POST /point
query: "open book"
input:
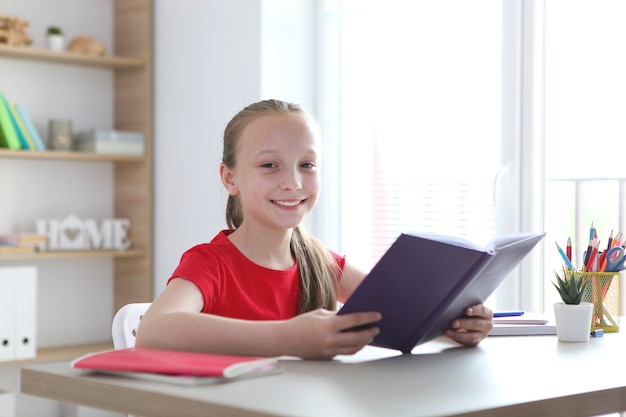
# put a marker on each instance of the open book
(424, 281)
(177, 367)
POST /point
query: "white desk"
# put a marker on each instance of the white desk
(504, 376)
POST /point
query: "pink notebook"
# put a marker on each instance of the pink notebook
(186, 368)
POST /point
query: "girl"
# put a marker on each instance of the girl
(264, 287)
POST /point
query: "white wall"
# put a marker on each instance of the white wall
(219, 57)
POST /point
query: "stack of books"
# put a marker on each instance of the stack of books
(17, 131)
(110, 142)
(24, 243)
(527, 324)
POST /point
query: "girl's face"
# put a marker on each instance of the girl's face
(276, 173)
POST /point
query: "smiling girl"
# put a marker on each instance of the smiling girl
(264, 286)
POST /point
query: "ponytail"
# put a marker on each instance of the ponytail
(319, 272)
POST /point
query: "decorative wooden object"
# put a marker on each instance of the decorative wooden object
(86, 45)
(14, 31)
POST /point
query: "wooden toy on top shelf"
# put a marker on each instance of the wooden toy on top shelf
(14, 31)
(86, 45)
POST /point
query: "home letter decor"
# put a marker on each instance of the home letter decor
(72, 233)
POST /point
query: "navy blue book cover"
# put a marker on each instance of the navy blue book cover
(423, 282)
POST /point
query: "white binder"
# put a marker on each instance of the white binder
(18, 313)
(26, 313)
(7, 314)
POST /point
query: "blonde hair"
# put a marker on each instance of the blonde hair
(317, 267)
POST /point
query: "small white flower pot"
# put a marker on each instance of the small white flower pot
(573, 322)
(55, 42)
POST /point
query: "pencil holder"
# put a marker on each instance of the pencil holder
(603, 290)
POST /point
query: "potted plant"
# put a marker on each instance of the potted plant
(55, 40)
(572, 316)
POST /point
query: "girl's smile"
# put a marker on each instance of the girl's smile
(288, 204)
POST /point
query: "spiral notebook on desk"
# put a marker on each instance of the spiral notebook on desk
(526, 325)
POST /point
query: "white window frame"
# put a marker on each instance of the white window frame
(520, 196)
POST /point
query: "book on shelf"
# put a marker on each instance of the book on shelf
(177, 367)
(110, 142)
(24, 143)
(8, 136)
(424, 281)
(22, 243)
(30, 127)
(20, 127)
(14, 250)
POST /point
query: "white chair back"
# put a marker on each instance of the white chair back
(125, 324)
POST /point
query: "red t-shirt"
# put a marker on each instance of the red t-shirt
(233, 286)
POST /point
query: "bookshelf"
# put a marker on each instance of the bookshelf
(131, 66)
(67, 156)
(69, 58)
(132, 253)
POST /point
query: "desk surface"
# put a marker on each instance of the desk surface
(504, 376)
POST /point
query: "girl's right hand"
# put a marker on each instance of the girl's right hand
(320, 334)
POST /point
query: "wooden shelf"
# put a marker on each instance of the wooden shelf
(62, 353)
(68, 156)
(132, 253)
(131, 175)
(71, 58)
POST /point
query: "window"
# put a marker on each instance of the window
(473, 118)
(584, 124)
(415, 128)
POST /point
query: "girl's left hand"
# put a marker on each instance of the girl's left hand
(473, 328)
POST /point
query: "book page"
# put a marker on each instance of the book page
(497, 242)
(451, 240)
(504, 240)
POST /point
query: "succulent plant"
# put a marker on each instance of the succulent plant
(54, 30)
(571, 285)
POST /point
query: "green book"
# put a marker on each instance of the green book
(22, 134)
(8, 135)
